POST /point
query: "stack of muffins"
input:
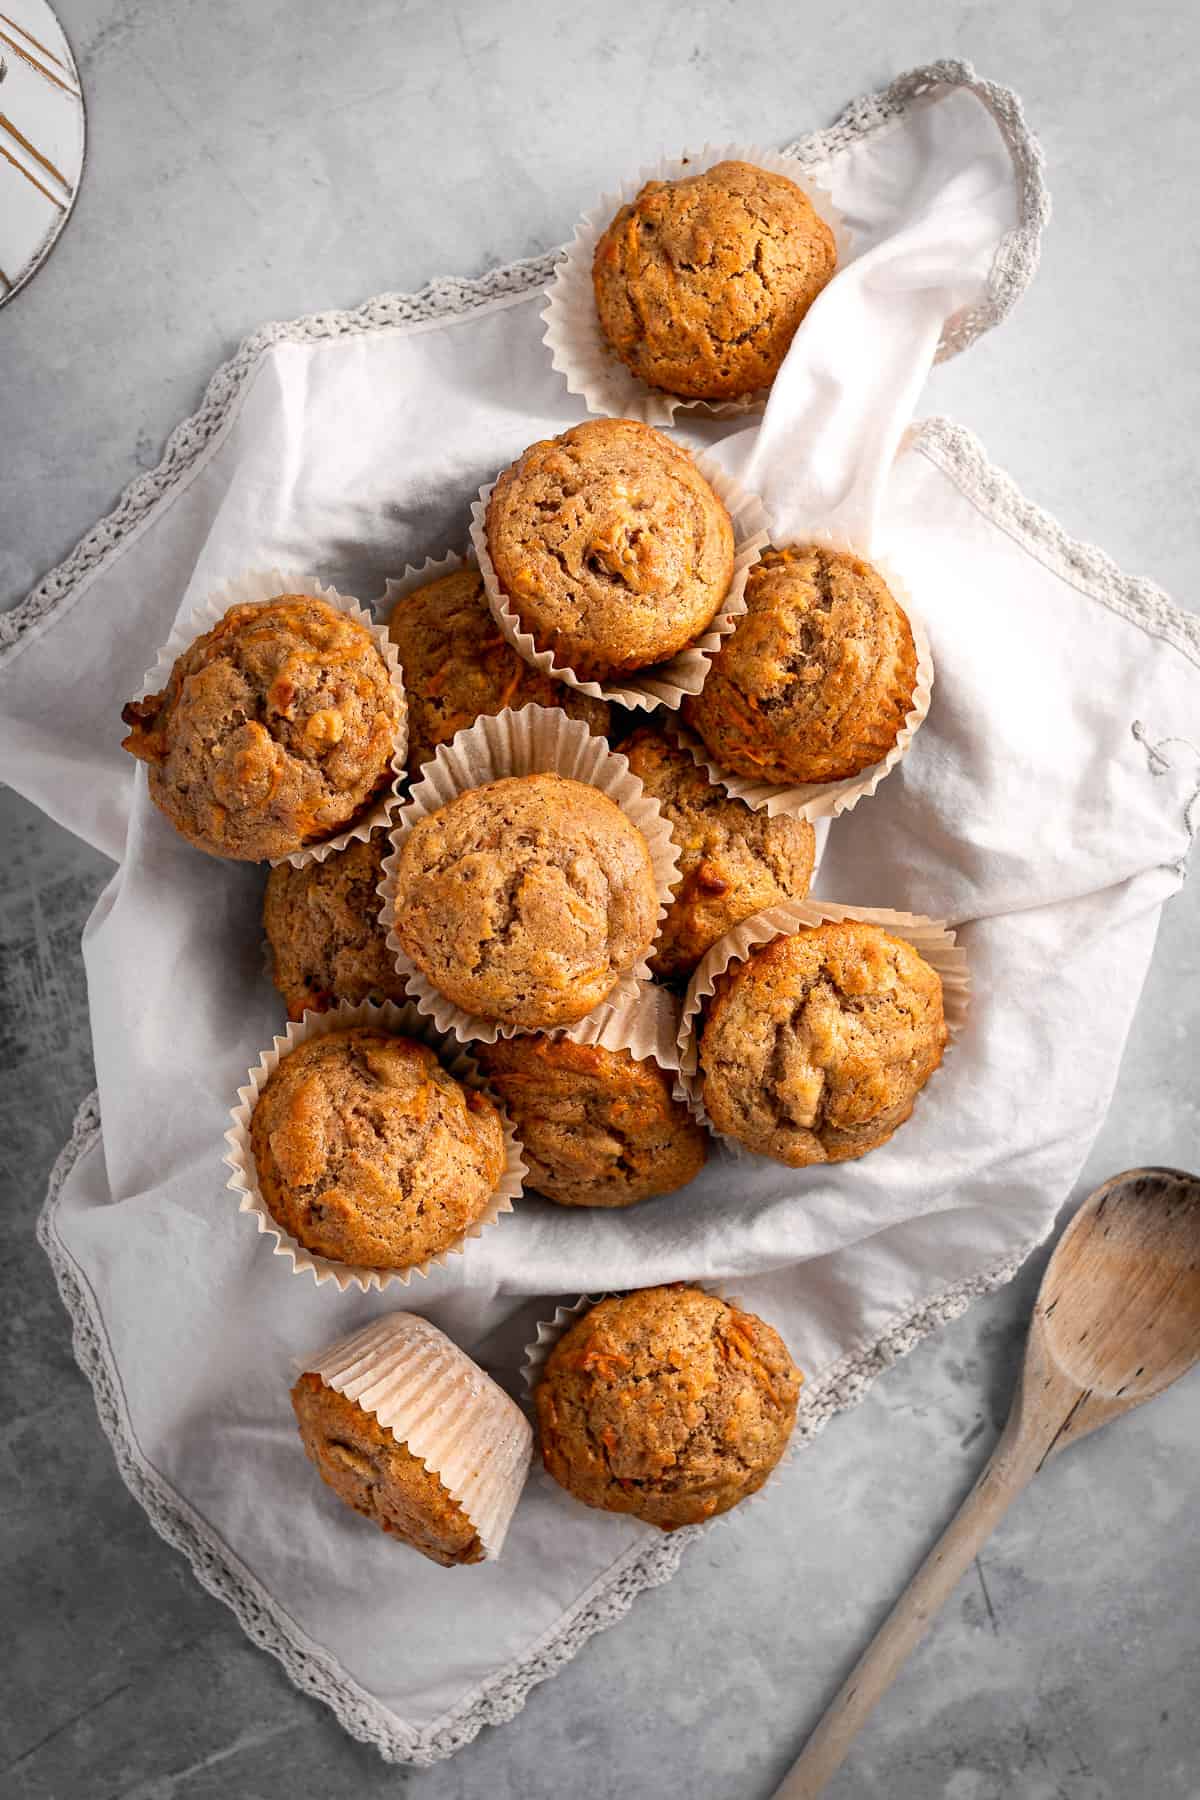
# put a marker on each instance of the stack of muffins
(550, 915)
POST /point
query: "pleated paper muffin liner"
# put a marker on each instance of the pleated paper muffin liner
(815, 800)
(578, 347)
(549, 1331)
(532, 740)
(432, 569)
(256, 587)
(404, 1021)
(659, 684)
(444, 1407)
(930, 938)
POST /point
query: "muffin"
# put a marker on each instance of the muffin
(367, 1151)
(598, 1127)
(525, 901)
(407, 1430)
(817, 678)
(610, 546)
(701, 283)
(275, 730)
(815, 1048)
(457, 666)
(733, 861)
(667, 1403)
(322, 923)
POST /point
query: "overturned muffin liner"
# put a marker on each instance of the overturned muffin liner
(255, 588)
(432, 569)
(405, 1021)
(532, 740)
(451, 1414)
(578, 347)
(549, 1331)
(815, 800)
(930, 938)
(659, 684)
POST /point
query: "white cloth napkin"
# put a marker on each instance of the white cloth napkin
(1032, 812)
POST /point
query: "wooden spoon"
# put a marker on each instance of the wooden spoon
(1117, 1320)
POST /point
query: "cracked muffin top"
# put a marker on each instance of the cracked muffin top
(368, 1151)
(701, 283)
(610, 546)
(368, 1467)
(275, 730)
(667, 1403)
(458, 666)
(322, 923)
(815, 1048)
(733, 861)
(525, 901)
(598, 1127)
(817, 678)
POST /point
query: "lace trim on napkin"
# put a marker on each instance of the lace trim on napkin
(1012, 270)
(311, 1668)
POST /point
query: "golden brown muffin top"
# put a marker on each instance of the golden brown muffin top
(322, 923)
(598, 1127)
(701, 283)
(368, 1151)
(371, 1470)
(733, 861)
(611, 546)
(458, 666)
(275, 730)
(526, 900)
(816, 680)
(816, 1046)
(667, 1403)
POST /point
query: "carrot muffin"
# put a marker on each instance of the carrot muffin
(322, 923)
(815, 1048)
(526, 901)
(733, 861)
(817, 678)
(598, 1127)
(457, 666)
(367, 1151)
(371, 1470)
(667, 1403)
(610, 546)
(701, 283)
(275, 730)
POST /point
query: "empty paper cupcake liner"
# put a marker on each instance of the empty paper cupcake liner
(405, 1021)
(444, 1407)
(816, 800)
(930, 938)
(578, 347)
(533, 740)
(660, 684)
(548, 1333)
(256, 587)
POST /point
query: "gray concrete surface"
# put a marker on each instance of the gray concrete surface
(269, 159)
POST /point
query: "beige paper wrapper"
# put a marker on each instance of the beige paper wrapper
(534, 740)
(816, 800)
(578, 347)
(255, 587)
(432, 569)
(406, 1021)
(450, 1414)
(549, 1331)
(660, 684)
(932, 940)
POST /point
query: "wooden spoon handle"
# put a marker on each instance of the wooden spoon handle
(906, 1624)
